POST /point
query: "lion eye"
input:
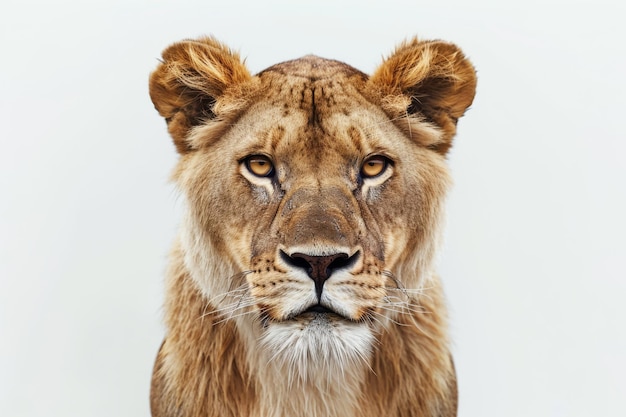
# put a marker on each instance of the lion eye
(374, 166)
(259, 165)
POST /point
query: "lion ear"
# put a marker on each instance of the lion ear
(436, 81)
(192, 76)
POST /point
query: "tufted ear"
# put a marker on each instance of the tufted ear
(190, 79)
(428, 81)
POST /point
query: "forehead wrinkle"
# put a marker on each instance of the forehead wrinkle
(321, 129)
(311, 153)
(275, 136)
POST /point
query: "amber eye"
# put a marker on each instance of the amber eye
(374, 166)
(260, 165)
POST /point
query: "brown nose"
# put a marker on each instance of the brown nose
(319, 268)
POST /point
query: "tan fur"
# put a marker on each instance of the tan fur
(241, 338)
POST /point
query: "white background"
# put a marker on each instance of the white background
(534, 260)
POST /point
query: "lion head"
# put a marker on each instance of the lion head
(313, 191)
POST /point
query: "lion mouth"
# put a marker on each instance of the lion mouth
(318, 308)
(320, 311)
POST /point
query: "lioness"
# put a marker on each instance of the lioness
(302, 281)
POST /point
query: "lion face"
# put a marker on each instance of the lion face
(314, 192)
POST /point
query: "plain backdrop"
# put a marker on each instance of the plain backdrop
(534, 260)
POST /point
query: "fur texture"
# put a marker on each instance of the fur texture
(302, 282)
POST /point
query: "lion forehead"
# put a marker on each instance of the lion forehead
(318, 105)
(315, 68)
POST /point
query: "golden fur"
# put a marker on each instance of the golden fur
(307, 287)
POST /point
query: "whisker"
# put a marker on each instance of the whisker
(416, 291)
(403, 308)
(239, 292)
(234, 316)
(229, 308)
(396, 281)
(376, 315)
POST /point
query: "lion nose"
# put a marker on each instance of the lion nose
(319, 268)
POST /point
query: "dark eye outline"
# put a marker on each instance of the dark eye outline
(248, 160)
(386, 162)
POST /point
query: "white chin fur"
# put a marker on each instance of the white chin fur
(318, 347)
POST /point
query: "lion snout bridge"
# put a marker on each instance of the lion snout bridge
(323, 216)
(320, 268)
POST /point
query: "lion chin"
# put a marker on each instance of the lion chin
(315, 343)
(302, 282)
